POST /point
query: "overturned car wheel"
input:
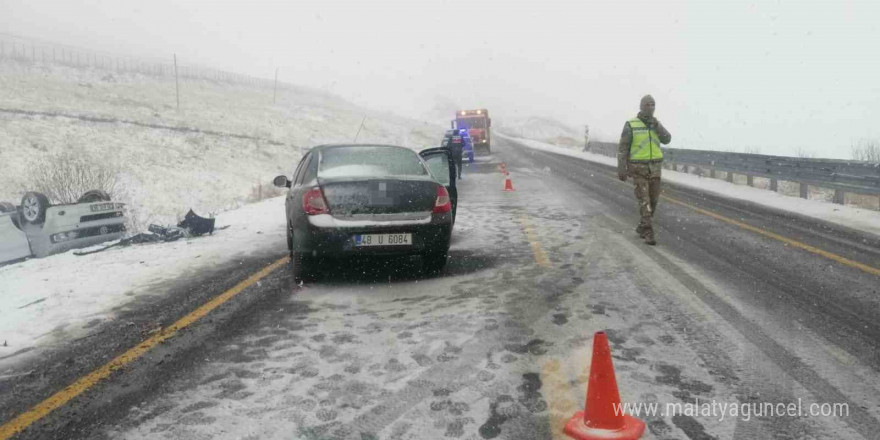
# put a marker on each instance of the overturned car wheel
(33, 207)
(95, 195)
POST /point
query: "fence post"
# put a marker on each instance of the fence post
(804, 191)
(730, 177)
(275, 89)
(750, 180)
(176, 82)
(774, 185)
(839, 197)
(712, 173)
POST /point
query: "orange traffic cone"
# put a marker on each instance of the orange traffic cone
(603, 417)
(508, 185)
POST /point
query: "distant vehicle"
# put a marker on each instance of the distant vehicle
(37, 228)
(477, 124)
(349, 200)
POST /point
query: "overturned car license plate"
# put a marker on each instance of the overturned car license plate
(383, 240)
(109, 206)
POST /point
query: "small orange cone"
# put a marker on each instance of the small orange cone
(508, 185)
(602, 417)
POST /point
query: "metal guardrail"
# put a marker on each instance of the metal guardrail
(843, 176)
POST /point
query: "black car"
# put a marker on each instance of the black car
(370, 200)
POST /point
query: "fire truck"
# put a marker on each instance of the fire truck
(477, 124)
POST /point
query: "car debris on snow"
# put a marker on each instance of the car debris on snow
(191, 226)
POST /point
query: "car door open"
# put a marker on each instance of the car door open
(442, 167)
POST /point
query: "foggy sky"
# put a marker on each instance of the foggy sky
(773, 75)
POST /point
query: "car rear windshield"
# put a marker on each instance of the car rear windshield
(370, 162)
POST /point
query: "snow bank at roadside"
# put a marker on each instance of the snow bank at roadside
(46, 301)
(860, 219)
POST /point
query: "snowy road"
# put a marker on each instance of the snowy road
(498, 346)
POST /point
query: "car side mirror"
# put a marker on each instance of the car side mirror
(281, 182)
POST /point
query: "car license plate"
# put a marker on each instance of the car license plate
(102, 207)
(383, 240)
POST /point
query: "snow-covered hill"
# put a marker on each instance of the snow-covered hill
(211, 155)
(544, 130)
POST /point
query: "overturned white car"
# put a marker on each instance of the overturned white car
(38, 228)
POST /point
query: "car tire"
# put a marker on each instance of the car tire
(434, 262)
(33, 207)
(95, 195)
(6, 207)
(300, 266)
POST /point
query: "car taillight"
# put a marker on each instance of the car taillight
(313, 202)
(443, 203)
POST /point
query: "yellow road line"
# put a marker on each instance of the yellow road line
(794, 243)
(557, 391)
(60, 398)
(537, 251)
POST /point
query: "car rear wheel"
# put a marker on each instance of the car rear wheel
(33, 207)
(300, 266)
(434, 262)
(95, 195)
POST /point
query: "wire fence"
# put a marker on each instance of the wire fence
(35, 51)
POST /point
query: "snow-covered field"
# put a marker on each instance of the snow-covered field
(860, 219)
(165, 172)
(544, 129)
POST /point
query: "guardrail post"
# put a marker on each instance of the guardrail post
(774, 185)
(712, 173)
(684, 169)
(750, 180)
(804, 191)
(839, 196)
(730, 177)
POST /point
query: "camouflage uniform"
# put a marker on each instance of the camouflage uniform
(646, 175)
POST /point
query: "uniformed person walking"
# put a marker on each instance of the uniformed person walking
(639, 155)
